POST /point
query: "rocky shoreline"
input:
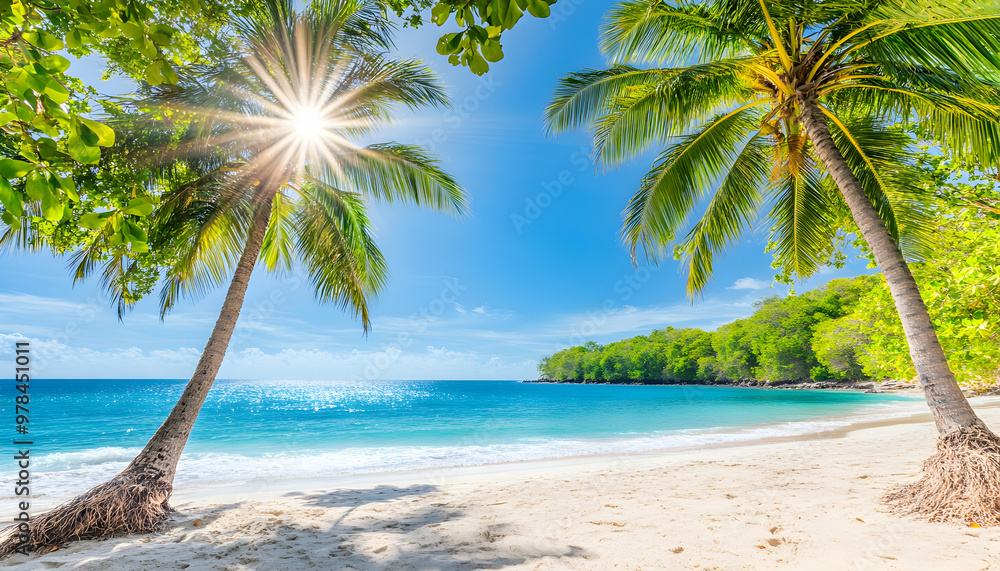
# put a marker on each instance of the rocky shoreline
(866, 386)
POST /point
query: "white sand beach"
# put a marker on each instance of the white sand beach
(805, 503)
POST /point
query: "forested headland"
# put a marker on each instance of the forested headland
(835, 332)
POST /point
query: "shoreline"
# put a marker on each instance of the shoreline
(578, 461)
(460, 473)
(871, 386)
(804, 502)
(822, 427)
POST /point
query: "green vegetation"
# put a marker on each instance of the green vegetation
(776, 343)
(959, 277)
(51, 143)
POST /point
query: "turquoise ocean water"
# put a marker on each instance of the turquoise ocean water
(87, 430)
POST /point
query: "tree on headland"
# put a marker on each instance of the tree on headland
(776, 343)
(269, 173)
(774, 104)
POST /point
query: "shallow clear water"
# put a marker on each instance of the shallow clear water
(86, 430)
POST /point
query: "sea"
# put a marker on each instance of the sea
(85, 431)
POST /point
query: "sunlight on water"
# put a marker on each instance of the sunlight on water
(87, 430)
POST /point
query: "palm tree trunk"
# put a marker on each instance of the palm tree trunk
(951, 409)
(961, 480)
(158, 460)
(137, 499)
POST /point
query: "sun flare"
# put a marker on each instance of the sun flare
(308, 125)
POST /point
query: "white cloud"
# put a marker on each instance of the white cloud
(52, 359)
(47, 308)
(750, 283)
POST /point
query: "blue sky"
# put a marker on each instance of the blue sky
(539, 266)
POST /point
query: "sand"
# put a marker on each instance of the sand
(805, 503)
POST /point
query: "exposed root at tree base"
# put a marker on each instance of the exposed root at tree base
(960, 482)
(119, 507)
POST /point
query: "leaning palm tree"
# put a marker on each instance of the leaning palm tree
(774, 106)
(264, 169)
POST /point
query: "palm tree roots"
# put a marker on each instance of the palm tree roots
(122, 506)
(960, 482)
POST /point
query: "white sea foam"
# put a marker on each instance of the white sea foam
(64, 474)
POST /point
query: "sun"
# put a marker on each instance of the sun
(308, 125)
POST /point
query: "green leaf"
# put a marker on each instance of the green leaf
(66, 184)
(56, 91)
(82, 152)
(24, 113)
(133, 233)
(477, 64)
(55, 63)
(10, 168)
(161, 34)
(449, 43)
(146, 47)
(169, 75)
(36, 185)
(86, 134)
(94, 220)
(154, 73)
(131, 31)
(10, 198)
(105, 134)
(52, 208)
(509, 13)
(74, 39)
(141, 206)
(538, 8)
(439, 13)
(492, 50)
(44, 40)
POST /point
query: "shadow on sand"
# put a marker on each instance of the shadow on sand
(384, 527)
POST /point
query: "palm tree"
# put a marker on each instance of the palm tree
(774, 106)
(265, 170)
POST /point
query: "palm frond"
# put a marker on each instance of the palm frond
(683, 173)
(966, 126)
(584, 96)
(731, 211)
(683, 98)
(337, 249)
(279, 243)
(800, 217)
(395, 173)
(955, 38)
(655, 31)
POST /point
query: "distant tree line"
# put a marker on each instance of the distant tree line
(844, 330)
(785, 339)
